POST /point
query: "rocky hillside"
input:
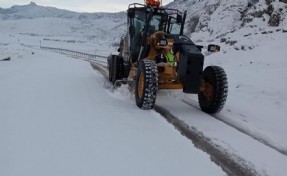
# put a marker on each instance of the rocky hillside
(219, 17)
(218, 21)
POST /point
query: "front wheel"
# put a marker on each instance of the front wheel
(146, 84)
(213, 89)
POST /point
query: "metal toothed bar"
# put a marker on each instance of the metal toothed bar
(86, 56)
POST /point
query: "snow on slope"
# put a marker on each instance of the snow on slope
(57, 118)
(257, 81)
(213, 21)
(32, 10)
(257, 101)
(97, 32)
(220, 17)
(253, 54)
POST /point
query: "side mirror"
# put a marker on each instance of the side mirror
(213, 48)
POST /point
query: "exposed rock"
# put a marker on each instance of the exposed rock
(247, 20)
(223, 40)
(270, 9)
(192, 23)
(254, 1)
(268, 2)
(274, 19)
(258, 14)
(231, 42)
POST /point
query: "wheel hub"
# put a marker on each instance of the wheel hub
(141, 85)
(207, 90)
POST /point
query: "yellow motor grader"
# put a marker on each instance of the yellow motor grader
(154, 54)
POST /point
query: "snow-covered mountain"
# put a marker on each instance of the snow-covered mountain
(59, 27)
(238, 24)
(219, 17)
(217, 21)
(32, 10)
(253, 38)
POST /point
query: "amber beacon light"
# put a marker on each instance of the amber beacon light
(153, 2)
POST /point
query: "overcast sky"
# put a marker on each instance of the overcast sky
(79, 5)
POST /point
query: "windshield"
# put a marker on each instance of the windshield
(174, 27)
(157, 23)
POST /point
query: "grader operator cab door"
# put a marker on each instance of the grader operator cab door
(137, 21)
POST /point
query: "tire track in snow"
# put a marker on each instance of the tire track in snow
(240, 129)
(231, 164)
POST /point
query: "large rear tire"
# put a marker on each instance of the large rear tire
(213, 89)
(146, 85)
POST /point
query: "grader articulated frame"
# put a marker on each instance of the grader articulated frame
(154, 54)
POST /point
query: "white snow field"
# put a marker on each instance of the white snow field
(60, 117)
(256, 103)
(57, 118)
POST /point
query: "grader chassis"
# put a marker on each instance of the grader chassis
(154, 54)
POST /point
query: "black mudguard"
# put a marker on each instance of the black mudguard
(190, 64)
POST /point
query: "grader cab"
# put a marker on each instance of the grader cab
(155, 54)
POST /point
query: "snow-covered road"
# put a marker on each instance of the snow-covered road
(54, 111)
(60, 117)
(57, 118)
